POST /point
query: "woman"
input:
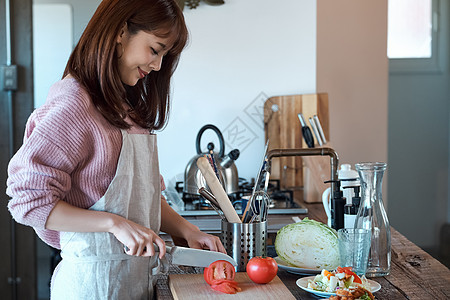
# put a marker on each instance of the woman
(87, 177)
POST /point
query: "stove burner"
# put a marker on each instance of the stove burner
(201, 204)
(278, 197)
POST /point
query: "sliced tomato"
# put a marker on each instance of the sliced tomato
(227, 287)
(348, 271)
(343, 269)
(230, 282)
(219, 270)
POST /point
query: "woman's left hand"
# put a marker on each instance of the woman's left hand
(183, 231)
(201, 240)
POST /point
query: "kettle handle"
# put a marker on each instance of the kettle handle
(219, 134)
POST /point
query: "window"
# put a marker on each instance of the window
(412, 35)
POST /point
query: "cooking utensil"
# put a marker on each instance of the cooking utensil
(194, 257)
(257, 186)
(315, 131)
(212, 201)
(306, 132)
(319, 128)
(217, 190)
(213, 164)
(260, 206)
(208, 196)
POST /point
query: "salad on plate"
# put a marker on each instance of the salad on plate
(342, 281)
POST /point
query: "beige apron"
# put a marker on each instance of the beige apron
(94, 265)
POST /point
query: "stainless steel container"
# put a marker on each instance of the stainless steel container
(244, 241)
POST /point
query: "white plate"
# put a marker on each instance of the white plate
(295, 270)
(303, 284)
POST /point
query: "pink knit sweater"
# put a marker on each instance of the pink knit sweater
(70, 152)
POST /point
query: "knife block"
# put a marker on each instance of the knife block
(282, 128)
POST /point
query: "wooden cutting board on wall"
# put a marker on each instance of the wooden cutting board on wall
(283, 129)
(194, 286)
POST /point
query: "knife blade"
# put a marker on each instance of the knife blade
(195, 257)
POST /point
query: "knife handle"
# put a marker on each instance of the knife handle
(168, 248)
(306, 132)
(319, 128)
(218, 191)
(307, 136)
(315, 131)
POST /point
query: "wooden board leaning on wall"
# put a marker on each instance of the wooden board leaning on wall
(283, 129)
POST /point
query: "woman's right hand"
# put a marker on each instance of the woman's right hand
(138, 239)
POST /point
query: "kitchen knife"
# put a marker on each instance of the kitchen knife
(194, 257)
(319, 128)
(315, 131)
(306, 132)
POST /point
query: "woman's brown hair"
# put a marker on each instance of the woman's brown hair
(93, 62)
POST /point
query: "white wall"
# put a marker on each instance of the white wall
(52, 46)
(240, 54)
(82, 13)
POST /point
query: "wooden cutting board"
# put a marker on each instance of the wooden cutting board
(194, 286)
(283, 130)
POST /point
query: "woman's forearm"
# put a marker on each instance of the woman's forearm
(137, 238)
(174, 224)
(66, 217)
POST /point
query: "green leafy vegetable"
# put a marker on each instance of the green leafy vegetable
(365, 297)
(308, 244)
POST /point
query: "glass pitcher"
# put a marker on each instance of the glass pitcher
(372, 215)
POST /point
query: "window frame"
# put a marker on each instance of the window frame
(421, 65)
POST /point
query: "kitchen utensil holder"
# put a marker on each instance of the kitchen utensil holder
(243, 241)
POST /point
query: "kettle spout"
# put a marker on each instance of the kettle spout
(229, 159)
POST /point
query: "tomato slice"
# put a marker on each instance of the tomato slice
(220, 281)
(348, 271)
(219, 270)
(226, 287)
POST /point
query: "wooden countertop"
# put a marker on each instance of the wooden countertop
(414, 273)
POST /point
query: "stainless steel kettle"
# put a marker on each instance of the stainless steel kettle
(228, 174)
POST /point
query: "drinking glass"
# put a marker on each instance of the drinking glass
(354, 247)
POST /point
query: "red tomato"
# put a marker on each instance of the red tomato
(262, 270)
(226, 286)
(348, 271)
(219, 270)
(230, 282)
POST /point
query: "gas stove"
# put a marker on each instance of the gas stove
(281, 200)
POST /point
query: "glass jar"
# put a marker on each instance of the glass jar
(372, 216)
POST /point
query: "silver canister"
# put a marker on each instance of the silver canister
(244, 241)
